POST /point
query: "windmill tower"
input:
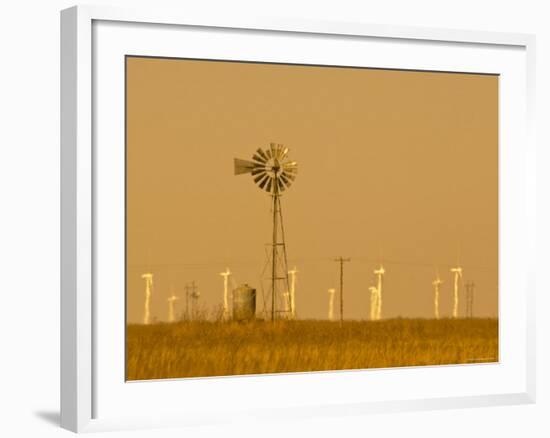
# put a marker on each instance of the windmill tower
(379, 273)
(171, 304)
(148, 277)
(457, 272)
(436, 284)
(225, 276)
(331, 293)
(292, 274)
(273, 172)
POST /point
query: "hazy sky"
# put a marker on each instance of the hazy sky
(392, 164)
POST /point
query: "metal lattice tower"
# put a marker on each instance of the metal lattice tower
(273, 172)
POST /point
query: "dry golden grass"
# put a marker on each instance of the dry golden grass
(201, 348)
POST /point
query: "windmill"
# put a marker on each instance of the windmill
(457, 272)
(148, 277)
(225, 276)
(379, 273)
(171, 304)
(373, 302)
(292, 274)
(436, 284)
(273, 172)
(331, 304)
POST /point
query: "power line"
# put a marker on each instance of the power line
(296, 260)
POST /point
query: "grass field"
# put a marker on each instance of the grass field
(201, 348)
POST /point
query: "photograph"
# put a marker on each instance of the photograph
(290, 218)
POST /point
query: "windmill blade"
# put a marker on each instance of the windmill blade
(262, 154)
(264, 181)
(243, 166)
(280, 184)
(269, 183)
(290, 165)
(284, 153)
(279, 149)
(258, 170)
(257, 157)
(284, 179)
(290, 169)
(289, 175)
(260, 177)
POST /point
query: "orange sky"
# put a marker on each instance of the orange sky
(397, 164)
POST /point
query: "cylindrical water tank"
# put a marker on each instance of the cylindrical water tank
(244, 303)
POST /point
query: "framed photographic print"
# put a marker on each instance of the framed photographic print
(276, 216)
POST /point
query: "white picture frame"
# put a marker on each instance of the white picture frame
(84, 379)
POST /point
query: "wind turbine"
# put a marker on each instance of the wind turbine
(373, 302)
(292, 274)
(331, 304)
(457, 276)
(148, 277)
(171, 303)
(436, 284)
(225, 276)
(380, 272)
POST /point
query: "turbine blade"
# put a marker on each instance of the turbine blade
(280, 184)
(269, 183)
(243, 166)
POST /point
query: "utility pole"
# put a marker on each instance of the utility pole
(342, 260)
(187, 302)
(194, 296)
(470, 299)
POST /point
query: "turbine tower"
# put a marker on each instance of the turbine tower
(373, 302)
(436, 284)
(148, 277)
(380, 272)
(225, 276)
(292, 274)
(331, 304)
(457, 272)
(273, 172)
(171, 304)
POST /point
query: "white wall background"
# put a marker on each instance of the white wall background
(29, 215)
